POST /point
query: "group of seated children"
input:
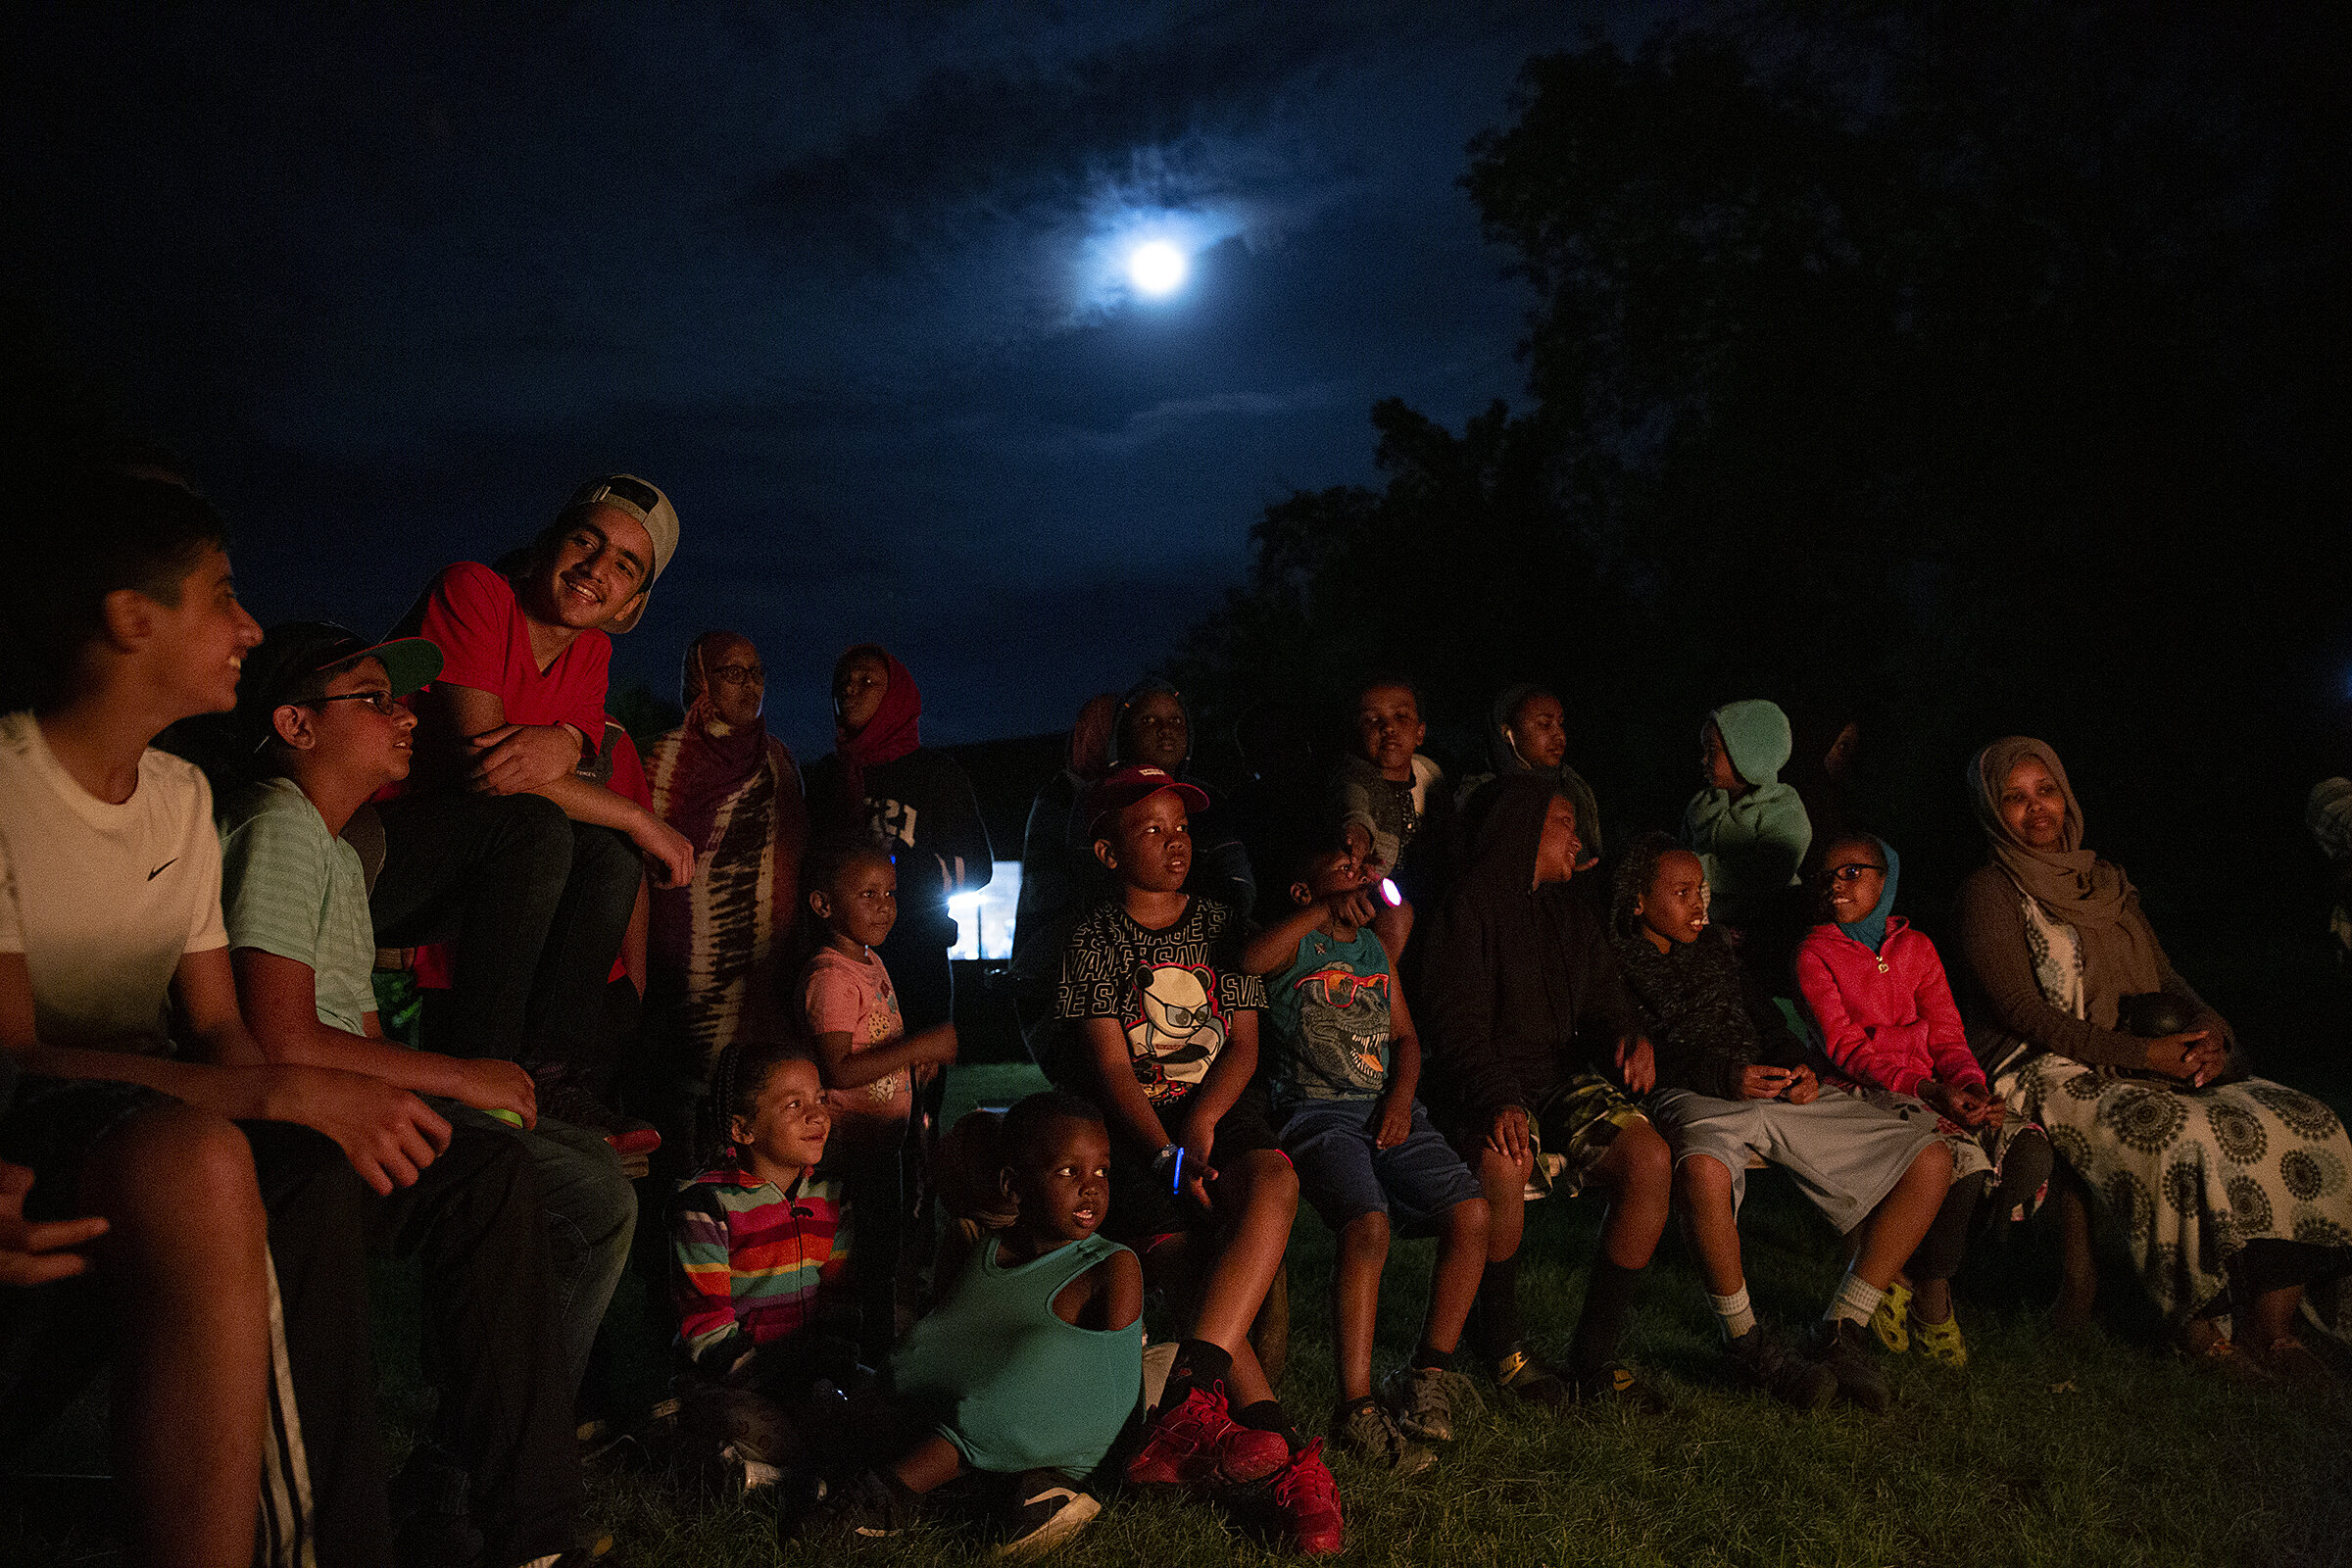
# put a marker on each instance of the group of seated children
(205, 1133)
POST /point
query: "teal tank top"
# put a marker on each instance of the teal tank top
(1017, 1388)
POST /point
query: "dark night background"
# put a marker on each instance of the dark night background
(1962, 369)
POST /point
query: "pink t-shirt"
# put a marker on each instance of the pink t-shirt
(838, 994)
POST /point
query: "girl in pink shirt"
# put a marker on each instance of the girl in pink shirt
(1877, 992)
(869, 1062)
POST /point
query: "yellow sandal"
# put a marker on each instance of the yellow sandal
(1942, 1342)
(1889, 1319)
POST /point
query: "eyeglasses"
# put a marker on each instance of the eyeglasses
(383, 701)
(1338, 988)
(1849, 873)
(741, 674)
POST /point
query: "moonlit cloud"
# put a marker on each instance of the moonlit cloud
(849, 281)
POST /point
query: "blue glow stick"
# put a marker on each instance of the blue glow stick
(1176, 1181)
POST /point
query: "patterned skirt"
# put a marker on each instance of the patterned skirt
(2189, 1176)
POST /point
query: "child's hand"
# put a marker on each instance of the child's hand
(1636, 1064)
(1764, 1083)
(1198, 1136)
(1353, 908)
(670, 851)
(36, 1255)
(1359, 848)
(495, 1084)
(1508, 1136)
(387, 1134)
(1392, 1120)
(1803, 1088)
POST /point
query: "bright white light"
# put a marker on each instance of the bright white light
(1157, 267)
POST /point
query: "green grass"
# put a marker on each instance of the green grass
(2103, 1451)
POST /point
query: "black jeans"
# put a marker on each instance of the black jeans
(492, 1346)
(536, 905)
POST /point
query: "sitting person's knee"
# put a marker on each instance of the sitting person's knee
(1366, 1233)
(1645, 1162)
(1472, 1216)
(1703, 1177)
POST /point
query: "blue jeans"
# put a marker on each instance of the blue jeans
(591, 1217)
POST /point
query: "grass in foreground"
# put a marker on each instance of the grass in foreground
(2104, 1451)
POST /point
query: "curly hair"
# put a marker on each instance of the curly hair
(1635, 873)
(1023, 1122)
(738, 1078)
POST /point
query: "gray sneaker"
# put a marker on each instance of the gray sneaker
(1773, 1366)
(1366, 1432)
(1841, 1347)
(1422, 1400)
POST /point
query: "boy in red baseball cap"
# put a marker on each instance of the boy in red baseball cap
(1164, 1034)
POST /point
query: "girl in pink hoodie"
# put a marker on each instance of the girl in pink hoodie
(1877, 992)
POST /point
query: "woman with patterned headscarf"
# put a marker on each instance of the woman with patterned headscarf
(2235, 1193)
(734, 790)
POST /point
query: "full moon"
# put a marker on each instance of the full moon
(1157, 267)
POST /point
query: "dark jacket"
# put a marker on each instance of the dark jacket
(1519, 992)
(1705, 1018)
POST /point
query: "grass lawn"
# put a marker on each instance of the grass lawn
(2103, 1451)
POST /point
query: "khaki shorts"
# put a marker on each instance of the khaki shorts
(1845, 1153)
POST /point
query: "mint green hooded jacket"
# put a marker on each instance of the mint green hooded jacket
(1751, 846)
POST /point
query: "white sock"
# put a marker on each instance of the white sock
(1855, 1298)
(1736, 1315)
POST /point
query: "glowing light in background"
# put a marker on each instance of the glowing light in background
(1157, 268)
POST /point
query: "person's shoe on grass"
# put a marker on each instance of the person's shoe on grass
(867, 1507)
(1424, 1398)
(1890, 1321)
(1841, 1347)
(1306, 1503)
(1612, 1386)
(1941, 1343)
(1364, 1431)
(1531, 1380)
(1775, 1366)
(1198, 1443)
(1047, 1510)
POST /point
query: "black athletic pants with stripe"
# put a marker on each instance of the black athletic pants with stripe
(492, 1349)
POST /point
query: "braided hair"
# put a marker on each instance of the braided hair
(738, 1078)
(1635, 873)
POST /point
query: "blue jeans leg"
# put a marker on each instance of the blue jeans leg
(590, 1218)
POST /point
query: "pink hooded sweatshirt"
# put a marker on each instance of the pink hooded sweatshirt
(1885, 1017)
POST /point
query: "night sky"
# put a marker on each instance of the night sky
(847, 284)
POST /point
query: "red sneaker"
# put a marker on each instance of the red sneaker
(1307, 1501)
(1247, 1454)
(1197, 1442)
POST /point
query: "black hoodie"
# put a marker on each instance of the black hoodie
(1519, 992)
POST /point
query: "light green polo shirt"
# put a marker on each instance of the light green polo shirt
(290, 887)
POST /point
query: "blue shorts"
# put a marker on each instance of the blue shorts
(1341, 1173)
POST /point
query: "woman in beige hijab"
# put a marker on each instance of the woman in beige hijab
(2235, 1193)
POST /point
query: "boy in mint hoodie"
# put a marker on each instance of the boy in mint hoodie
(1748, 829)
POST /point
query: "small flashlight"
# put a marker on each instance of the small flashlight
(1384, 893)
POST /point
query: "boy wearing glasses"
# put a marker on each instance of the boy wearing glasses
(1345, 1062)
(318, 705)
(508, 844)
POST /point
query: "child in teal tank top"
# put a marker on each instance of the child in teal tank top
(1032, 1362)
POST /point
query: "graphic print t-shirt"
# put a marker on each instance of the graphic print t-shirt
(840, 995)
(1330, 1017)
(1174, 991)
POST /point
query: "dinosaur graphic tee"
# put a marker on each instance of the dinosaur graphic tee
(1174, 990)
(1328, 1014)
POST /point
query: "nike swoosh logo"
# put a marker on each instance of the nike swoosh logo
(160, 869)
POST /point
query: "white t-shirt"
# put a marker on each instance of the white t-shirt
(103, 900)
